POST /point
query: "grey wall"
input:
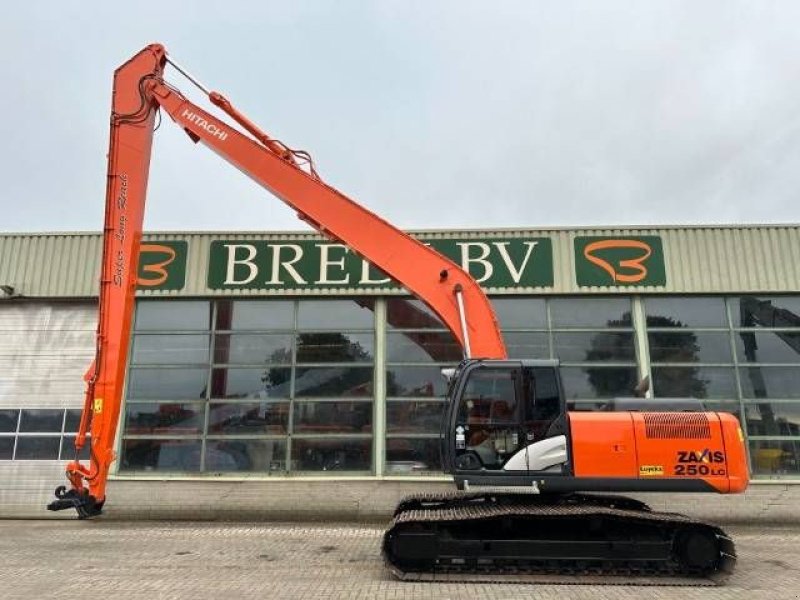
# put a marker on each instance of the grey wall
(45, 347)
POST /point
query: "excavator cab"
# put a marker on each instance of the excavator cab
(506, 423)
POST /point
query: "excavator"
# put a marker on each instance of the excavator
(527, 469)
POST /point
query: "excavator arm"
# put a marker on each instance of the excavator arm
(139, 92)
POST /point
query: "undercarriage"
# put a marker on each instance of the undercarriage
(552, 538)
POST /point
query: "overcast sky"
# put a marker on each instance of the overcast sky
(432, 114)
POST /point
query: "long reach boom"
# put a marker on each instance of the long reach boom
(139, 92)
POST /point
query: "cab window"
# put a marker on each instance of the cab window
(489, 398)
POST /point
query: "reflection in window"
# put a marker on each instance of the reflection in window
(599, 346)
(167, 384)
(164, 418)
(269, 382)
(489, 398)
(254, 315)
(8, 420)
(263, 456)
(335, 347)
(333, 417)
(770, 382)
(694, 382)
(768, 346)
(404, 416)
(527, 344)
(404, 313)
(773, 419)
(40, 434)
(167, 455)
(775, 458)
(271, 418)
(335, 454)
(422, 346)
(68, 449)
(671, 311)
(590, 312)
(773, 311)
(333, 382)
(253, 348)
(6, 447)
(170, 349)
(38, 447)
(262, 367)
(689, 347)
(415, 382)
(41, 420)
(335, 314)
(175, 315)
(521, 313)
(598, 382)
(72, 420)
(409, 456)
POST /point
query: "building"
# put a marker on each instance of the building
(284, 361)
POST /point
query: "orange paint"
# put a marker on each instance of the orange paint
(159, 268)
(635, 264)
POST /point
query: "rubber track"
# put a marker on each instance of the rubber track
(485, 504)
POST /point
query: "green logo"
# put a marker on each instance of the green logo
(619, 261)
(304, 264)
(162, 265)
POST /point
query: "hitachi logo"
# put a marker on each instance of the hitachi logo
(201, 122)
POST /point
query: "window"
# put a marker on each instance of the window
(741, 354)
(39, 434)
(418, 347)
(255, 315)
(594, 339)
(590, 312)
(673, 311)
(175, 315)
(690, 347)
(285, 385)
(766, 336)
(521, 313)
(489, 398)
(267, 386)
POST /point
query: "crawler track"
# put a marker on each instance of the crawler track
(572, 538)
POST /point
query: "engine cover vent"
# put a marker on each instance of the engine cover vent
(692, 426)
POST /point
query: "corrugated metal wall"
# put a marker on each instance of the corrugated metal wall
(51, 265)
(44, 350)
(698, 260)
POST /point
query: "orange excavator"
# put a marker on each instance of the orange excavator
(524, 464)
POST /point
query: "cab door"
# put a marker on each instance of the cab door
(488, 430)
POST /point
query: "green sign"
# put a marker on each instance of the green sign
(619, 261)
(162, 265)
(303, 264)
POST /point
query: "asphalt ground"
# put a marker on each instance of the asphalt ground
(159, 560)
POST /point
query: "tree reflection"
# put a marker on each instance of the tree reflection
(610, 346)
(674, 346)
(329, 347)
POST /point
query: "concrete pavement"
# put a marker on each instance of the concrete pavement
(164, 560)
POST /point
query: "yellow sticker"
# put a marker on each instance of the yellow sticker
(741, 435)
(650, 470)
(98, 406)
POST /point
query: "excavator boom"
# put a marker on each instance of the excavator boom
(139, 92)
